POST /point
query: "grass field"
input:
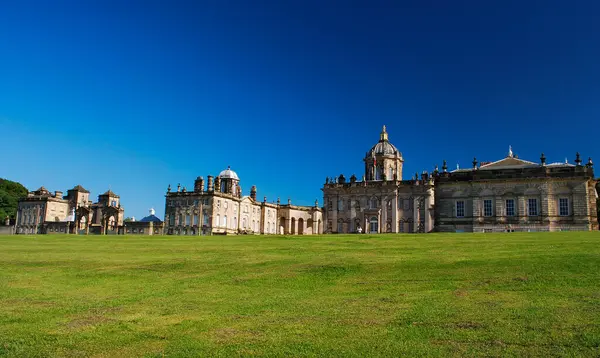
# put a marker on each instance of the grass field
(352, 296)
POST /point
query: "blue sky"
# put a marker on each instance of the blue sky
(134, 95)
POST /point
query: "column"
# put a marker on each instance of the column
(416, 214)
(395, 213)
(428, 218)
(383, 216)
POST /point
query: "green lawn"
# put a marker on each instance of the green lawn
(352, 296)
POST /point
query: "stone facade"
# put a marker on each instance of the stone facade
(43, 212)
(218, 208)
(510, 194)
(150, 225)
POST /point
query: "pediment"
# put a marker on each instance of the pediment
(509, 163)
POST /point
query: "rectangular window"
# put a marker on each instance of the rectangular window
(460, 209)
(340, 227)
(563, 207)
(533, 206)
(487, 207)
(373, 203)
(510, 207)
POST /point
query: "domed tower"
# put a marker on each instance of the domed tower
(230, 182)
(384, 160)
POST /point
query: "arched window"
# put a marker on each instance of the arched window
(373, 225)
(391, 173)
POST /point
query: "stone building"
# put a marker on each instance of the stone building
(513, 194)
(43, 212)
(510, 194)
(149, 225)
(218, 207)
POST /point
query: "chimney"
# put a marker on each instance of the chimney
(253, 192)
(199, 185)
(210, 184)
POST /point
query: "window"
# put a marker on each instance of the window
(401, 226)
(373, 203)
(243, 223)
(187, 220)
(218, 222)
(340, 205)
(206, 218)
(510, 207)
(533, 207)
(172, 220)
(195, 220)
(487, 207)
(225, 221)
(235, 222)
(206, 201)
(329, 205)
(563, 207)
(391, 174)
(340, 227)
(113, 203)
(460, 209)
(226, 204)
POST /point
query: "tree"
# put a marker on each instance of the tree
(10, 193)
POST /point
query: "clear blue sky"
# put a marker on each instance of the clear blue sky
(137, 95)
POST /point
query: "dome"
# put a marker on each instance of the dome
(383, 147)
(151, 218)
(228, 174)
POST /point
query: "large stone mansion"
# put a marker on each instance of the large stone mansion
(218, 207)
(510, 194)
(43, 212)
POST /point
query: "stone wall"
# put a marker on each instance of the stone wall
(7, 230)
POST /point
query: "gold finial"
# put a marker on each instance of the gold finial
(384, 135)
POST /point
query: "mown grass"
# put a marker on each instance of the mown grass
(520, 294)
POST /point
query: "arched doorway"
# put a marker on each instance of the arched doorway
(293, 226)
(282, 230)
(373, 225)
(300, 226)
